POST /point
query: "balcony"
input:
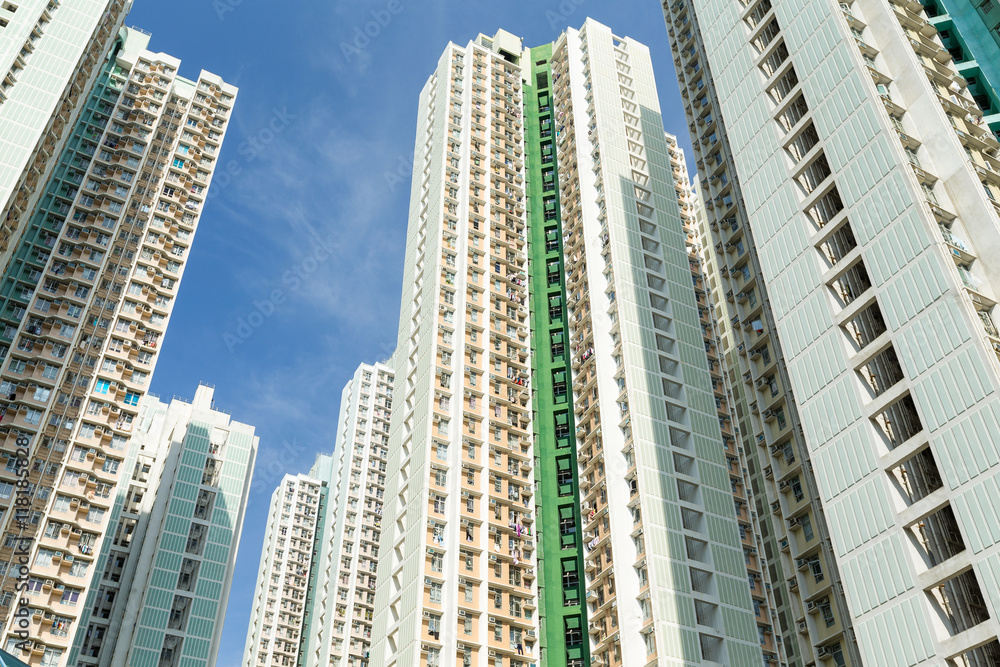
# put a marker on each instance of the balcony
(839, 244)
(899, 422)
(852, 283)
(882, 371)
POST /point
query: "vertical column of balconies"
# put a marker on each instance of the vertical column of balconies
(419, 328)
(599, 556)
(743, 497)
(451, 391)
(480, 515)
(966, 119)
(561, 545)
(778, 458)
(827, 617)
(60, 341)
(371, 514)
(21, 280)
(954, 591)
(257, 649)
(351, 609)
(510, 583)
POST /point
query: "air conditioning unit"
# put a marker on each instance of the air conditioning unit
(783, 485)
(493, 620)
(822, 651)
(811, 606)
(427, 614)
(427, 581)
(461, 613)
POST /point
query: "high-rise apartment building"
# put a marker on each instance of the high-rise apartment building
(666, 577)
(341, 634)
(754, 548)
(799, 556)
(85, 301)
(51, 53)
(864, 180)
(316, 587)
(166, 573)
(456, 579)
(277, 620)
(590, 519)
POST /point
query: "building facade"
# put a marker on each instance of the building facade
(665, 572)
(316, 586)
(787, 501)
(970, 31)
(167, 572)
(737, 461)
(50, 57)
(345, 592)
(277, 621)
(870, 182)
(456, 576)
(560, 557)
(87, 297)
(587, 505)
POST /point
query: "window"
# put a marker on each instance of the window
(807, 529)
(52, 656)
(102, 386)
(439, 504)
(796, 485)
(44, 558)
(816, 567)
(435, 593)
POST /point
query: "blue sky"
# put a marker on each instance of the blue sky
(295, 274)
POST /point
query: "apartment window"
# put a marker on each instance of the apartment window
(816, 567)
(796, 486)
(807, 529)
(435, 593)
